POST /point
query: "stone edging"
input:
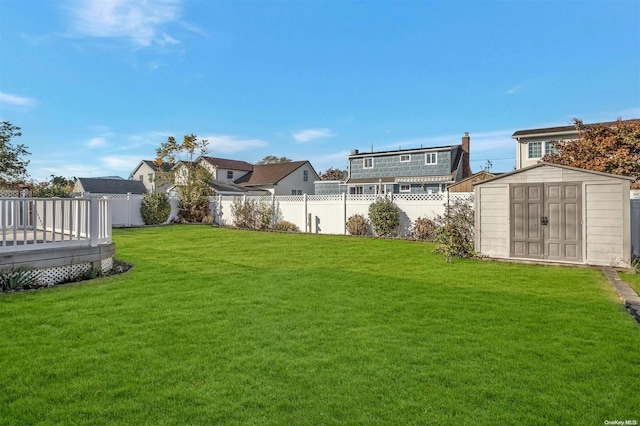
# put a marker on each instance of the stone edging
(627, 294)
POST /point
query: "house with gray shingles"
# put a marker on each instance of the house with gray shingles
(147, 173)
(411, 171)
(108, 185)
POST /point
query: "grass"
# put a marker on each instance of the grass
(239, 327)
(633, 280)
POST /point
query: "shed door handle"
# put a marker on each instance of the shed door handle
(544, 220)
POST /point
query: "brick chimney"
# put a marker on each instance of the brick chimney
(466, 167)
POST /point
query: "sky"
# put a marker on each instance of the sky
(97, 85)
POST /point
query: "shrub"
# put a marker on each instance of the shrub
(155, 209)
(285, 226)
(423, 229)
(19, 279)
(358, 225)
(193, 206)
(250, 214)
(384, 216)
(455, 232)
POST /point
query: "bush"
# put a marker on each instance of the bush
(155, 209)
(423, 229)
(455, 232)
(384, 216)
(250, 214)
(358, 225)
(193, 206)
(285, 226)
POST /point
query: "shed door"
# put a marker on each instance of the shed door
(546, 222)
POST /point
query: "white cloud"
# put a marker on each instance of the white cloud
(97, 142)
(231, 144)
(140, 21)
(6, 98)
(121, 162)
(311, 134)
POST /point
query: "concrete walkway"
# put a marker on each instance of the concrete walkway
(627, 294)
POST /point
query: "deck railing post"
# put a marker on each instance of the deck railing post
(94, 221)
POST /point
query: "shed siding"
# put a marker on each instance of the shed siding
(493, 223)
(604, 227)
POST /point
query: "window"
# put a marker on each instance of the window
(355, 190)
(296, 192)
(534, 149)
(368, 163)
(405, 188)
(229, 174)
(404, 158)
(431, 158)
(550, 147)
(305, 175)
(150, 177)
(141, 178)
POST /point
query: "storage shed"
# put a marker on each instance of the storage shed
(549, 212)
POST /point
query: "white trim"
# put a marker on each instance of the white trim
(364, 163)
(529, 157)
(428, 155)
(405, 155)
(407, 185)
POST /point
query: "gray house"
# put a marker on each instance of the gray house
(421, 170)
(554, 213)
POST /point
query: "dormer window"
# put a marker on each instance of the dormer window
(405, 158)
(367, 163)
(431, 158)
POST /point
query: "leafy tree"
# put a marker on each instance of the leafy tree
(611, 148)
(193, 182)
(13, 167)
(272, 159)
(333, 174)
(57, 186)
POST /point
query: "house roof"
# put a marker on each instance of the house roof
(221, 186)
(223, 163)
(111, 185)
(476, 177)
(403, 151)
(165, 166)
(270, 174)
(561, 130)
(560, 166)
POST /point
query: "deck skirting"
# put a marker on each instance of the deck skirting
(60, 264)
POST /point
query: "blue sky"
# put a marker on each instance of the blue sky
(98, 85)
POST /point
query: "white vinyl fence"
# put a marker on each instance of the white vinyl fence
(321, 214)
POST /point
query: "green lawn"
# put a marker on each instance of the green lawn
(633, 280)
(239, 327)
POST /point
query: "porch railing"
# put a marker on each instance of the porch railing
(36, 223)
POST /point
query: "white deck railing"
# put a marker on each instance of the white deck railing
(36, 223)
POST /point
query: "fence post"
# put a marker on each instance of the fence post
(274, 213)
(306, 225)
(344, 213)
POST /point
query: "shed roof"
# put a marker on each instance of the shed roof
(560, 166)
